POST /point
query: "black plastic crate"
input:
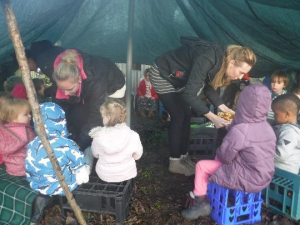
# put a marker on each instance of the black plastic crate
(102, 197)
(203, 142)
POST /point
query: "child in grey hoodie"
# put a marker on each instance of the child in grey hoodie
(286, 108)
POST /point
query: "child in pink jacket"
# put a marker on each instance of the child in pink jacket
(15, 134)
(115, 145)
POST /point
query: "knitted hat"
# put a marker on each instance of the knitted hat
(19, 91)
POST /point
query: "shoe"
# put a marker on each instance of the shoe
(199, 207)
(177, 166)
(185, 159)
(143, 114)
(151, 114)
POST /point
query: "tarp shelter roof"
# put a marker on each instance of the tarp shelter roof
(270, 27)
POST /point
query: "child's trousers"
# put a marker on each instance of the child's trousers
(204, 169)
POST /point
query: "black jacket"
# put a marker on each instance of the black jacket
(200, 60)
(103, 79)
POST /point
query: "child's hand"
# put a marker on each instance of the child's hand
(135, 156)
(82, 175)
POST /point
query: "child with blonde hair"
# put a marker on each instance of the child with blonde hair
(115, 145)
(3, 97)
(15, 134)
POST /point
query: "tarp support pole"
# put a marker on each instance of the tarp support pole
(129, 60)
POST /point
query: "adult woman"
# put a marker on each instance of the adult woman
(83, 82)
(179, 76)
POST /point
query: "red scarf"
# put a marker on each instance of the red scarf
(59, 93)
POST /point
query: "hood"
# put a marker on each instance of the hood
(112, 139)
(38, 47)
(253, 104)
(54, 120)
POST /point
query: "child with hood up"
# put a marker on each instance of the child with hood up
(245, 160)
(39, 171)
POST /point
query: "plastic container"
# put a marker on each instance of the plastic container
(283, 194)
(101, 197)
(203, 142)
(234, 207)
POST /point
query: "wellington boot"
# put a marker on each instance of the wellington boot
(199, 207)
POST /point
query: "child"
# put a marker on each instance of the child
(39, 171)
(245, 160)
(40, 89)
(279, 80)
(146, 96)
(115, 145)
(242, 85)
(296, 92)
(3, 97)
(15, 134)
(286, 108)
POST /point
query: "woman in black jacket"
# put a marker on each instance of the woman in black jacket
(82, 82)
(180, 75)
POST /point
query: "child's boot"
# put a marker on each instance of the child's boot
(199, 207)
(177, 166)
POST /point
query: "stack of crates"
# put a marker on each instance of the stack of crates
(102, 197)
(233, 207)
(203, 140)
(283, 194)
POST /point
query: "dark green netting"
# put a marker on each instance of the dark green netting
(270, 27)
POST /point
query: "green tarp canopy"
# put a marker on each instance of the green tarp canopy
(270, 27)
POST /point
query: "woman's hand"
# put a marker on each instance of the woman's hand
(224, 108)
(217, 121)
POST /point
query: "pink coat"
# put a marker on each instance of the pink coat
(116, 148)
(14, 139)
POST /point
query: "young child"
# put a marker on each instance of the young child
(286, 108)
(243, 83)
(3, 97)
(147, 97)
(245, 159)
(115, 145)
(15, 134)
(39, 171)
(296, 92)
(40, 89)
(279, 81)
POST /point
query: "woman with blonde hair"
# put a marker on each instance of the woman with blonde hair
(180, 75)
(83, 82)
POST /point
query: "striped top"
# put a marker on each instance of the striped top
(160, 85)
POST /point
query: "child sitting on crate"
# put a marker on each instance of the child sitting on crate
(39, 171)
(245, 160)
(15, 134)
(286, 108)
(147, 97)
(115, 145)
(3, 97)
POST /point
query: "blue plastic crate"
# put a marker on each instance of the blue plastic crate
(234, 207)
(283, 194)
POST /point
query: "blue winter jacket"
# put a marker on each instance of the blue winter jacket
(38, 168)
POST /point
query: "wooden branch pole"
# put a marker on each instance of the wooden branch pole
(31, 93)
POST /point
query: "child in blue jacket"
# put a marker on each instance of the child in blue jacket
(38, 168)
